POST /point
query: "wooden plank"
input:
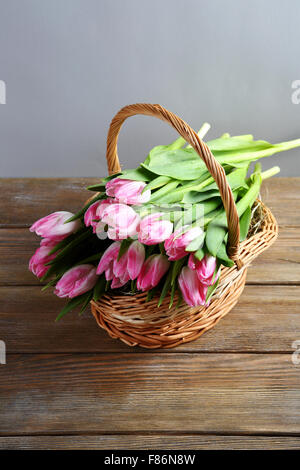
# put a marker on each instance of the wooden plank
(24, 200)
(266, 319)
(280, 264)
(110, 393)
(282, 196)
(146, 442)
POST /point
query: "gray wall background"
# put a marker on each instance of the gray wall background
(69, 65)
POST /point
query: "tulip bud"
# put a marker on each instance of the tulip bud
(176, 244)
(205, 269)
(107, 260)
(76, 281)
(41, 257)
(127, 267)
(130, 262)
(53, 225)
(193, 291)
(153, 230)
(152, 271)
(90, 217)
(121, 219)
(127, 191)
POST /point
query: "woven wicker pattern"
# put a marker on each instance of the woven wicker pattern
(138, 322)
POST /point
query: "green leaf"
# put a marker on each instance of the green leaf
(151, 293)
(72, 304)
(199, 255)
(193, 197)
(67, 240)
(223, 257)
(86, 302)
(181, 164)
(210, 291)
(180, 298)
(137, 174)
(166, 287)
(157, 183)
(70, 247)
(217, 228)
(91, 258)
(51, 283)
(173, 290)
(99, 288)
(196, 243)
(125, 244)
(237, 143)
(245, 223)
(166, 189)
(97, 187)
(176, 268)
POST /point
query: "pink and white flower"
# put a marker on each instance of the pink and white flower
(126, 268)
(153, 229)
(91, 218)
(37, 263)
(193, 291)
(152, 271)
(76, 281)
(178, 241)
(122, 221)
(205, 269)
(127, 191)
(53, 225)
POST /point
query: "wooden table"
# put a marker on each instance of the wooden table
(69, 385)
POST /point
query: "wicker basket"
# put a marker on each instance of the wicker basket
(140, 323)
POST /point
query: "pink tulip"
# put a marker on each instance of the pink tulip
(76, 281)
(126, 268)
(103, 205)
(53, 225)
(107, 260)
(127, 191)
(205, 269)
(131, 261)
(107, 263)
(90, 217)
(193, 291)
(121, 219)
(153, 230)
(176, 244)
(152, 271)
(41, 257)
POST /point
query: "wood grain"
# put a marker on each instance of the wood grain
(234, 388)
(280, 264)
(24, 200)
(110, 393)
(266, 319)
(27, 199)
(158, 442)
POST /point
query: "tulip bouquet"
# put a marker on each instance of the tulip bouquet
(159, 228)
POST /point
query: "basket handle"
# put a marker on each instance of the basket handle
(213, 166)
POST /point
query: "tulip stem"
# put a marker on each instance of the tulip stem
(269, 173)
(202, 131)
(180, 142)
